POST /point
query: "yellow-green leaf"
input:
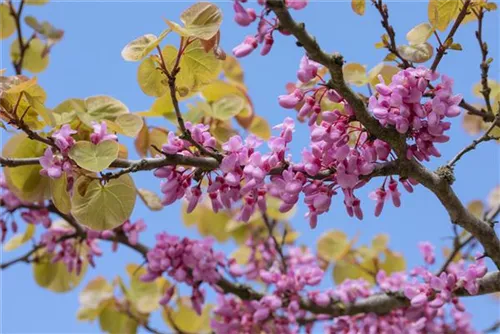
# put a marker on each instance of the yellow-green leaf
(34, 58)
(355, 74)
(202, 20)
(494, 197)
(394, 262)
(202, 67)
(103, 207)
(387, 71)
(349, 268)
(36, 2)
(232, 69)
(65, 112)
(104, 107)
(20, 238)
(162, 106)
(476, 208)
(333, 245)
(7, 23)
(379, 243)
(94, 298)
(417, 53)
(260, 127)
(127, 124)
(60, 194)
(25, 181)
(55, 276)
(93, 157)
(144, 295)
(151, 199)
(227, 107)
(142, 46)
(358, 6)
(186, 319)
(150, 78)
(419, 34)
(442, 12)
(114, 321)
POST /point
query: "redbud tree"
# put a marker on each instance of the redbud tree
(68, 186)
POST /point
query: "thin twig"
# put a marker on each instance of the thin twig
(277, 245)
(485, 137)
(441, 50)
(485, 65)
(18, 65)
(392, 46)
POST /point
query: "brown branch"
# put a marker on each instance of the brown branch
(441, 50)
(392, 46)
(18, 65)
(438, 183)
(485, 63)
(485, 137)
(270, 226)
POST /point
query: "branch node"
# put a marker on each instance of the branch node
(446, 173)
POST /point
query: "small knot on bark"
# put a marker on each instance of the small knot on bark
(446, 173)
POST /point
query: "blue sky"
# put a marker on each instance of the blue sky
(87, 62)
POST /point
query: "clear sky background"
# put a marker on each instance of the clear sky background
(87, 62)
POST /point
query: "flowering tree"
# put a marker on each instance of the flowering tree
(67, 173)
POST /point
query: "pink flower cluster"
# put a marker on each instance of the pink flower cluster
(187, 261)
(401, 104)
(28, 213)
(70, 251)
(265, 26)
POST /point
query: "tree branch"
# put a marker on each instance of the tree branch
(441, 50)
(392, 47)
(485, 62)
(485, 137)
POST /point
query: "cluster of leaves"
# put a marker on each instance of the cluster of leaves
(350, 262)
(31, 54)
(474, 125)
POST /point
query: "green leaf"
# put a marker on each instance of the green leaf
(355, 74)
(126, 124)
(94, 298)
(379, 243)
(186, 319)
(25, 181)
(476, 208)
(349, 268)
(202, 20)
(260, 127)
(144, 295)
(36, 2)
(65, 112)
(7, 22)
(93, 157)
(35, 60)
(419, 34)
(150, 78)
(333, 245)
(60, 194)
(55, 276)
(442, 12)
(45, 29)
(36, 104)
(394, 262)
(19, 239)
(417, 53)
(233, 70)
(162, 107)
(227, 107)
(151, 199)
(387, 71)
(456, 47)
(103, 207)
(114, 321)
(142, 46)
(104, 107)
(358, 6)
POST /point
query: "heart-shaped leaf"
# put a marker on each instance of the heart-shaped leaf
(103, 207)
(94, 158)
